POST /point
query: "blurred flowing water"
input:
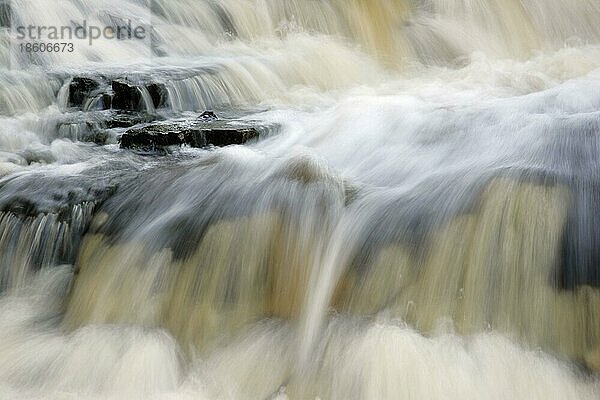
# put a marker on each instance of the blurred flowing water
(424, 223)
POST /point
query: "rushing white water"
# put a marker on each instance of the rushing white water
(382, 359)
(422, 224)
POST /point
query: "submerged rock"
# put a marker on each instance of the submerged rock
(44, 215)
(203, 132)
(593, 360)
(8, 157)
(127, 119)
(93, 126)
(37, 154)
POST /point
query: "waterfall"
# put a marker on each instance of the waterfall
(329, 199)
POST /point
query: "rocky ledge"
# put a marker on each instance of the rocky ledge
(205, 131)
(93, 126)
(116, 93)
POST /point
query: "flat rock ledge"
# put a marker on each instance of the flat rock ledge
(205, 131)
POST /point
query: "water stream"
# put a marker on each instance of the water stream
(419, 219)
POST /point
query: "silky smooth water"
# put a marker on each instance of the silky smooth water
(422, 224)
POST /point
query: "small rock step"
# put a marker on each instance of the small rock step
(204, 131)
(81, 91)
(116, 93)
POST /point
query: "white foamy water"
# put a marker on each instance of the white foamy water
(422, 224)
(380, 359)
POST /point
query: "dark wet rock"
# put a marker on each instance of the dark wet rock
(201, 132)
(21, 206)
(158, 94)
(580, 250)
(5, 14)
(127, 96)
(82, 90)
(120, 93)
(106, 100)
(208, 115)
(225, 136)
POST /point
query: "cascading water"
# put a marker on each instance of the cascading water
(418, 218)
